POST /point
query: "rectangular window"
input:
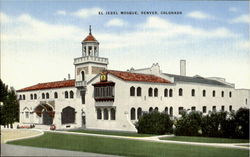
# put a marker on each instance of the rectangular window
(27, 114)
(193, 108)
(214, 108)
(181, 109)
(83, 97)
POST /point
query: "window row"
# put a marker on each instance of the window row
(47, 95)
(169, 92)
(106, 113)
(204, 109)
(138, 113)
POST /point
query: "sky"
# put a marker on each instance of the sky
(40, 39)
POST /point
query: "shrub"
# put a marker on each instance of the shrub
(214, 124)
(242, 123)
(154, 123)
(189, 124)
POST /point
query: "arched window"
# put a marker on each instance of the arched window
(156, 109)
(68, 115)
(166, 110)
(83, 75)
(222, 93)
(150, 92)
(222, 108)
(31, 96)
(138, 91)
(193, 108)
(230, 94)
(193, 92)
(55, 95)
(156, 92)
(23, 97)
(171, 111)
(230, 108)
(204, 109)
(166, 92)
(139, 113)
(43, 96)
(213, 93)
(47, 95)
(106, 114)
(170, 92)
(180, 92)
(66, 94)
(150, 109)
(132, 114)
(246, 101)
(204, 93)
(35, 96)
(71, 94)
(132, 91)
(112, 113)
(99, 113)
(20, 97)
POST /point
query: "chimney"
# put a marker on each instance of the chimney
(183, 67)
(68, 76)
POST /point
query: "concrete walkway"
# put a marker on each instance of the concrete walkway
(14, 150)
(156, 139)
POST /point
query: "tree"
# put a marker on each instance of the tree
(242, 123)
(189, 124)
(214, 124)
(9, 105)
(154, 123)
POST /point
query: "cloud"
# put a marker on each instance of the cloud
(27, 28)
(199, 15)
(61, 12)
(245, 18)
(87, 12)
(233, 9)
(4, 18)
(245, 45)
(116, 22)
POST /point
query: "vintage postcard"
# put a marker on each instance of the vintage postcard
(125, 78)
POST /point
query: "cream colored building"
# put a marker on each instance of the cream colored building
(99, 98)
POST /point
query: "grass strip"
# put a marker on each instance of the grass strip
(205, 139)
(116, 133)
(126, 147)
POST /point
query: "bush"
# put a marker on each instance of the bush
(242, 123)
(154, 123)
(214, 124)
(189, 124)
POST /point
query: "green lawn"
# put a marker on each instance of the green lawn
(205, 139)
(117, 133)
(127, 147)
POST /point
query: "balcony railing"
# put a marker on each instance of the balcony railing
(79, 84)
(90, 59)
(104, 98)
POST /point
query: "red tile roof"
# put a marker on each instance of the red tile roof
(129, 76)
(90, 37)
(49, 85)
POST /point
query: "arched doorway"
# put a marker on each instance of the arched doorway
(46, 112)
(68, 115)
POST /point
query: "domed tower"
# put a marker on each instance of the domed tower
(90, 64)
